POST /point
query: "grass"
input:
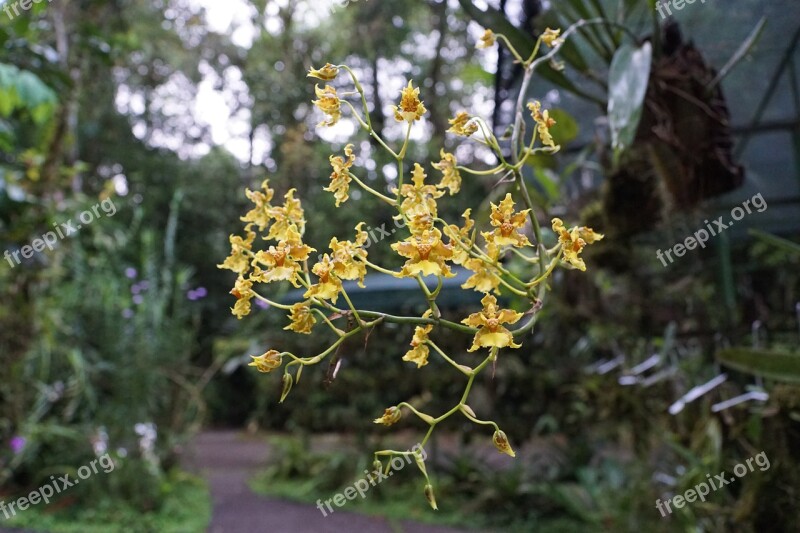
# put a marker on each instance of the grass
(186, 509)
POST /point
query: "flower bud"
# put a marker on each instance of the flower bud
(287, 386)
(430, 497)
(390, 416)
(501, 443)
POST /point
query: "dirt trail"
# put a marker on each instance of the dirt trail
(227, 459)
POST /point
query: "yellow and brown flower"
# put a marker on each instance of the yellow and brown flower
(329, 103)
(508, 224)
(267, 362)
(329, 285)
(340, 177)
(302, 319)
(418, 198)
(326, 73)
(411, 107)
(485, 278)
(260, 214)
(289, 215)
(451, 178)
(489, 321)
(282, 262)
(543, 123)
(462, 124)
(348, 257)
(426, 254)
(573, 241)
(239, 260)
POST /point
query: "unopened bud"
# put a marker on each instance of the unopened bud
(430, 497)
(501, 443)
(287, 386)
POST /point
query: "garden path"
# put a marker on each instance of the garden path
(227, 459)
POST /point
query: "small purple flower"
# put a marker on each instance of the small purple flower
(130, 273)
(201, 292)
(18, 444)
(127, 313)
(262, 304)
(191, 295)
(137, 299)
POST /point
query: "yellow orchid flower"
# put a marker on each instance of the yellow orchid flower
(267, 362)
(543, 123)
(340, 177)
(260, 214)
(462, 124)
(419, 349)
(490, 320)
(411, 107)
(485, 278)
(329, 286)
(426, 254)
(348, 257)
(419, 198)
(452, 177)
(289, 215)
(573, 241)
(282, 261)
(462, 234)
(302, 319)
(326, 73)
(239, 260)
(508, 224)
(243, 291)
(329, 103)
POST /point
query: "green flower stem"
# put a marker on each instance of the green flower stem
(419, 321)
(460, 368)
(316, 359)
(402, 154)
(490, 172)
(380, 268)
(325, 319)
(429, 297)
(368, 125)
(511, 49)
(372, 191)
(352, 308)
(549, 270)
(427, 418)
(477, 421)
(271, 303)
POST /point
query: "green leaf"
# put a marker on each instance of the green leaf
(780, 366)
(566, 128)
(784, 244)
(627, 86)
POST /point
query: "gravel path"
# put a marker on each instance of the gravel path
(227, 459)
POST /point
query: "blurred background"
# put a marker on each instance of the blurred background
(118, 338)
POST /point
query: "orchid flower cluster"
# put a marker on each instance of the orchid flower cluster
(430, 247)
